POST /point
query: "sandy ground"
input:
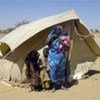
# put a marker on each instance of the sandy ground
(87, 89)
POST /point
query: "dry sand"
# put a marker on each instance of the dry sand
(88, 89)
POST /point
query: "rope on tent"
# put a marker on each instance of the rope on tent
(5, 83)
(6, 55)
(70, 50)
(82, 37)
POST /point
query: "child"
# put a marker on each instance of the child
(45, 78)
(64, 43)
(44, 75)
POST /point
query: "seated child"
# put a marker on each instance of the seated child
(44, 75)
(45, 78)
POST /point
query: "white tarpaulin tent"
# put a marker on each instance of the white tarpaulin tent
(14, 47)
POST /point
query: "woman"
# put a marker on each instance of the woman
(56, 59)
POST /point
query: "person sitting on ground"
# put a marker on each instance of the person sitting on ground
(44, 75)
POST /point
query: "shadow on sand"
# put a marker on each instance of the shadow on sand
(93, 72)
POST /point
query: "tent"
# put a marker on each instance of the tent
(85, 48)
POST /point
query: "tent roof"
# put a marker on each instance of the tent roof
(24, 32)
(21, 34)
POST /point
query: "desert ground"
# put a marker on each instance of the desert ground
(86, 89)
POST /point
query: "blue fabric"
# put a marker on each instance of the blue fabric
(56, 61)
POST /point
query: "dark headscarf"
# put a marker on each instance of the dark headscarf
(54, 34)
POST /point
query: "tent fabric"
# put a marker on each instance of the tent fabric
(17, 44)
(25, 32)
